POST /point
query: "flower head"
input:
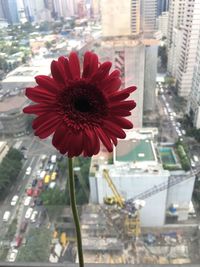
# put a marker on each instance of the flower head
(80, 110)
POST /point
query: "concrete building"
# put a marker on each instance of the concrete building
(3, 150)
(194, 99)
(148, 14)
(12, 120)
(116, 18)
(137, 61)
(64, 8)
(174, 36)
(136, 173)
(190, 36)
(162, 6)
(163, 23)
(8, 11)
(183, 33)
(23, 76)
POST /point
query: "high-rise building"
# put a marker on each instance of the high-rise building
(148, 14)
(183, 32)
(194, 99)
(8, 11)
(188, 49)
(163, 23)
(162, 6)
(64, 8)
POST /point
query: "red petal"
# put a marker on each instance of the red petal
(76, 145)
(114, 74)
(119, 112)
(91, 143)
(74, 65)
(114, 139)
(102, 72)
(57, 72)
(122, 94)
(59, 136)
(114, 129)
(90, 64)
(47, 82)
(38, 109)
(104, 139)
(130, 104)
(110, 85)
(47, 128)
(122, 122)
(43, 119)
(40, 95)
(65, 62)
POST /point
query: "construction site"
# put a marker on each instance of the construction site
(138, 212)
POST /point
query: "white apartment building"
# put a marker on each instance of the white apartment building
(183, 32)
(175, 24)
(148, 14)
(163, 23)
(188, 51)
(194, 100)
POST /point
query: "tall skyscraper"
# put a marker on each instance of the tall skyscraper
(148, 14)
(190, 35)
(183, 32)
(162, 6)
(8, 11)
(136, 59)
(194, 99)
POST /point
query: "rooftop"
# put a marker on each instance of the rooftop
(135, 150)
(12, 103)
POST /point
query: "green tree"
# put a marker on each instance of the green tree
(37, 248)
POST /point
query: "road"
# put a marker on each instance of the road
(34, 149)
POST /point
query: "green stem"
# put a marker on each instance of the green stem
(74, 211)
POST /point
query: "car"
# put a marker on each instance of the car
(34, 182)
(23, 148)
(51, 167)
(28, 213)
(34, 216)
(14, 200)
(17, 242)
(40, 184)
(23, 226)
(12, 255)
(183, 132)
(6, 216)
(38, 202)
(36, 192)
(28, 170)
(29, 191)
(27, 201)
(192, 163)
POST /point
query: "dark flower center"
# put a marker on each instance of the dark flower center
(82, 104)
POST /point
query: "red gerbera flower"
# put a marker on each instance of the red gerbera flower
(80, 110)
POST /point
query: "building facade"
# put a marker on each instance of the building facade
(183, 34)
(188, 50)
(194, 99)
(148, 14)
(174, 35)
(162, 6)
(163, 23)
(8, 11)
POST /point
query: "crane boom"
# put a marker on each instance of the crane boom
(113, 188)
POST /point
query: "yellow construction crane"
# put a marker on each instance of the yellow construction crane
(132, 219)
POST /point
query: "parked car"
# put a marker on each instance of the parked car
(23, 226)
(29, 192)
(34, 182)
(40, 184)
(12, 255)
(17, 242)
(14, 200)
(34, 216)
(28, 213)
(38, 202)
(28, 170)
(27, 201)
(36, 192)
(6, 216)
